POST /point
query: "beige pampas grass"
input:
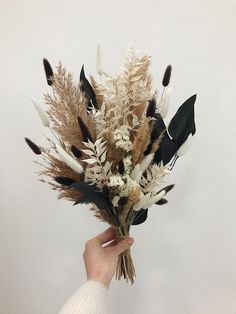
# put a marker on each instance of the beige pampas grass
(141, 140)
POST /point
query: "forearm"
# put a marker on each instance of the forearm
(90, 298)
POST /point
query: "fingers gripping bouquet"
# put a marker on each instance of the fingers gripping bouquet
(110, 146)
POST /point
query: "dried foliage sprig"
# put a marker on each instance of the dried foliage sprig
(111, 147)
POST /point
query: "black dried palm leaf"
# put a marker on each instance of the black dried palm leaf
(183, 120)
(190, 129)
(140, 216)
(167, 147)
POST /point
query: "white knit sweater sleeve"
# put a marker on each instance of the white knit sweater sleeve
(90, 298)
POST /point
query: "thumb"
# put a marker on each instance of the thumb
(123, 245)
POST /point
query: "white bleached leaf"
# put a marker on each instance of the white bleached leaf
(98, 141)
(43, 116)
(88, 144)
(103, 156)
(69, 160)
(90, 160)
(102, 150)
(185, 146)
(149, 177)
(87, 152)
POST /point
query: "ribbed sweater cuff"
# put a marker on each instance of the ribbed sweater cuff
(90, 298)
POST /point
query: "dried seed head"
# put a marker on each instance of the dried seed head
(167, 75)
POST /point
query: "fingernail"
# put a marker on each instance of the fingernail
(130, 241)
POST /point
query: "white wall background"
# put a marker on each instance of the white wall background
(184, 254)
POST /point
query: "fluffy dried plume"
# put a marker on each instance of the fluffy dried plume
(141, 140)
(66, 103)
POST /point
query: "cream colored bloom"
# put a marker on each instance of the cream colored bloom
(115, 181)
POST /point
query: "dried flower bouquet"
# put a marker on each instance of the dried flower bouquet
(110, 146)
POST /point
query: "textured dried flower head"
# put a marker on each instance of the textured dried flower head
(115, 181)
(122, 138)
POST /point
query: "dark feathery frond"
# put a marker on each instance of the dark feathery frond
(87, 88)
(33, 146)
(121, 167)
(64, 180)
(167, 75)
(85, 132)
(151, 109)
(140, 216)
(76, 151)
(48, 71)
(106, 191)
(91, 195)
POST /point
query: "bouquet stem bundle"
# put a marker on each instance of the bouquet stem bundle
(125, 267)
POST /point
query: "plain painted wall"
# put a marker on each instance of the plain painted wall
(184, 254)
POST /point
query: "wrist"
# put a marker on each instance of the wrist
(99, 278)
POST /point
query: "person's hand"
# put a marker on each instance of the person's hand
(100, 262)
